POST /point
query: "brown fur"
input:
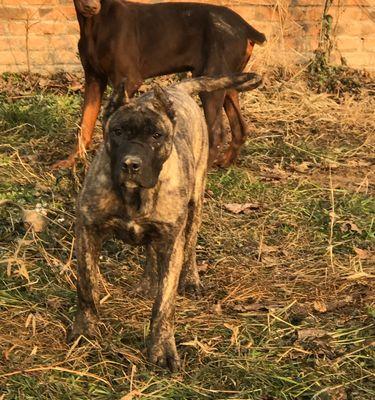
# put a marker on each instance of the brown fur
(125, 39)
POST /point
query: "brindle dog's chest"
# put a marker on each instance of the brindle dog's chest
(135, 232)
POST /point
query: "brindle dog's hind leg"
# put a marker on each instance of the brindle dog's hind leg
(88, 249)
(189, 278)
(148, 284)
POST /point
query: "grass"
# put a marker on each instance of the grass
(288, 309)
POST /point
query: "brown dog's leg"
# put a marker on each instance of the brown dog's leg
(237, 125)
(94, 89)
(162, 349)
(212, 105)
(88, 248)
(189, 278)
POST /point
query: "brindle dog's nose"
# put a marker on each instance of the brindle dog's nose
(132, 164)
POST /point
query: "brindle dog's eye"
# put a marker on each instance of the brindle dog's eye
(117, 132)
(156, 135)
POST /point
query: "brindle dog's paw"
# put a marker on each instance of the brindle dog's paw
(191, 287)
(85, 324)
(146, 288)
(164, 354)
(192, 290)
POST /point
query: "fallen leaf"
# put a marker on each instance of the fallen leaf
(337, 393)
(43, 82)
(363, 254)
(358, 163)
(198, 345)
(320, 306)
(203, 267)
(270, 260)
(75, 86)
(302, 167)
(333, 165)
(35, 219)
(217, 309)
(276, 173)
(250, 307)
(266, 249)
(311, 333)
(237, 208)
(350, 226)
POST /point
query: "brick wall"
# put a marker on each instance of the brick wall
(41, 35)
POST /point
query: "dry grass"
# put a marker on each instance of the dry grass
(288, 306)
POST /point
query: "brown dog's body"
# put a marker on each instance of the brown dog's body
(146, 186)
(137, 41)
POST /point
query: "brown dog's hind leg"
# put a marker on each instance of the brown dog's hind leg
(86, 319)
(237, 125)
(213, 105)
(94, 89)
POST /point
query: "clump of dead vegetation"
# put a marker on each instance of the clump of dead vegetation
(285, 254)
(338, 80)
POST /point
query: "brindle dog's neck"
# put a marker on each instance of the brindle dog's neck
(137, 201)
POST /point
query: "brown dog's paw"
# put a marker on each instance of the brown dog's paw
(85, 324)
(163, 353)
(227, 159)
(64, 164)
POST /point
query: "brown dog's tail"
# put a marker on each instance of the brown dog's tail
(255, 36)
(240, 82)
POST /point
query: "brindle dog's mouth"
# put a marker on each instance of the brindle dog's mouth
(130, 184)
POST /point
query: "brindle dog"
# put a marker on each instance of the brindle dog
(146, 186)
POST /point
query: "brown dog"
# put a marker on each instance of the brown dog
(137, 41)
(146, 186)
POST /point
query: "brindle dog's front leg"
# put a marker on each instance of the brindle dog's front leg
(162, 349)
(88, 249)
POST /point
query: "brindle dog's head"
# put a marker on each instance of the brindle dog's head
(138, 137)
(88, 8)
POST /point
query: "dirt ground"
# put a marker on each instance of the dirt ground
(286, 256)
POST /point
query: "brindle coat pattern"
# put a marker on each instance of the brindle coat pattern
(126, 39)
(158, 209)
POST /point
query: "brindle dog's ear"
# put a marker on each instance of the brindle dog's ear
(118, 99)
(163, 102)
